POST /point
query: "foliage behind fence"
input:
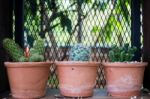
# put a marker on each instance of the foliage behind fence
(62, 23)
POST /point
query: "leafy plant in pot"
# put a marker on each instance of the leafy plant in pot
(124, 77)
(77, 77)
(27, 74)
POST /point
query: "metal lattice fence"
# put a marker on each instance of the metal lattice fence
(62, 23)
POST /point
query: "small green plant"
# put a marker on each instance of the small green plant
(79, 52)
(17, 54)
(121, 54)
(13, 49)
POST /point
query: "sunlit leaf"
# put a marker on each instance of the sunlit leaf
(95, 29)
(124, 10)
(100, 4)
(103, 4)
(109, 28)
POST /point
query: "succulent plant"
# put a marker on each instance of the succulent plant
(79, 52)
(38, 47)
(17, 54)
(23, 59)
(13, 49)
(121, 54)
(36, 58)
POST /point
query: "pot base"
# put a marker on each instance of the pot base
(125, 94)
(82, 94)
(28, 95)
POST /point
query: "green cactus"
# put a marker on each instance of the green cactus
(122, 54)
(37, 51)
(13, 49)
(79, 52)
(23, 59)
(17, 53)
(38, 47)
(36, 58)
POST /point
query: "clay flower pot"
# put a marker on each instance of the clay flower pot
(76, 79)
(28, 79)
(124, 79)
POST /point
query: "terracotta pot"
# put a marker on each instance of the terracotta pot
(124, 79)
(28, 79)
(77, 79)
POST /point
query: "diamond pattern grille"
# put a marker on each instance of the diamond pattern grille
(62, 23)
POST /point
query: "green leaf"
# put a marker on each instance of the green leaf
(101, 4)
(87, 1)
(124, 53)
(66, 23)
(55, 16)
(51, 4)
(82, 1)
(109, 28)
(95, 29)
(32, 6)
(30, 40)
(124, 10)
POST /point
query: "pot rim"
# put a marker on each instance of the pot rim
(124, 64)
(77, 63)
(27, 64)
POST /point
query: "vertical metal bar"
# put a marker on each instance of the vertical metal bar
(79, 36)
(19, 22)
(5, 31)
(42, 18)
(135, 28)
(146, 42)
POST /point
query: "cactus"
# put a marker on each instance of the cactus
(36, 58)
(23, 59)
(17, 53)
(121, 54)
(79, 52)
(38, 47)
(13, 49)
(37, 51)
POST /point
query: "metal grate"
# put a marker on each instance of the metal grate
(62, 23)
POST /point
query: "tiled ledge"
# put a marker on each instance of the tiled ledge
(98, 94)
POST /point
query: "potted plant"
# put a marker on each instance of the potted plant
(27, 73)
(124, 77)
(77, 77)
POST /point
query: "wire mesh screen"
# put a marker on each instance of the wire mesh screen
(63, 23)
